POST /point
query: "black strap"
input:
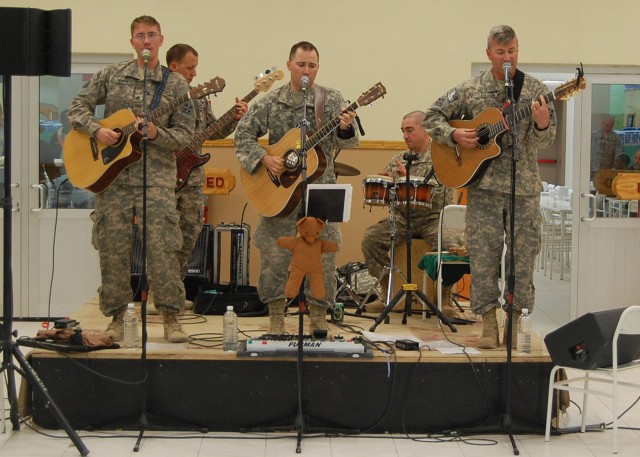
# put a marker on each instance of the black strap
(518, 82)
(160, 89)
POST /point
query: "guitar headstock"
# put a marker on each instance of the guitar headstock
(570, 88)
(265, 81)
(370, 96)
(213, 86)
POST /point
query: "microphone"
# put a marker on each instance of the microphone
(304, 82)
(507, 73)
(146, 54)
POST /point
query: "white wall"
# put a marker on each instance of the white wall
(417, 48)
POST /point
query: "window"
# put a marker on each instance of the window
(615, 140)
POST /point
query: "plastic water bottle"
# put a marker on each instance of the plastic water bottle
(130, 327)
(524, 332)
(230, 330)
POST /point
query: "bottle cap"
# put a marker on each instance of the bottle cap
(230, 308)
(525, 311)
(130, 305)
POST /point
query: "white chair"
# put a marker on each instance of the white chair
(556, 240)
(602, 207)
(618, 208)
(632, 209)
(629, 324)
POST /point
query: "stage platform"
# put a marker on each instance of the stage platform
(198, 386)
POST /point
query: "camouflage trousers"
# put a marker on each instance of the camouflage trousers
(113, 238)
(488, 220)
(274, 261)
(191, 211)
(376, 241)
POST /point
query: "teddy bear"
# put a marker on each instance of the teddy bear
(307, 249)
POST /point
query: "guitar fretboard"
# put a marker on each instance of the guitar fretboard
(326, 129)
(160, 111)
(224, 120)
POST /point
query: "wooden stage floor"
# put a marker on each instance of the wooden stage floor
(196, 385)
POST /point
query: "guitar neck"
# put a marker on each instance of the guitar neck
(224, 120)
(160, 111)
(327, 128)
(522, 113)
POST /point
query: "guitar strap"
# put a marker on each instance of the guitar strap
(160, 89)
(319, 92)
(518, 82)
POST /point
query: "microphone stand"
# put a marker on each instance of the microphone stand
(408, 289)
(515, 157)
(299, 422)
(10, 349)
(143, 422)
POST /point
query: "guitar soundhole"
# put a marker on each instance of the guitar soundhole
(120, 138)
(291, 160)
(484, 136)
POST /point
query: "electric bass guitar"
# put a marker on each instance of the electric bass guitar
(278, 195)
(187, 159)
(459, 166)
(93, 166)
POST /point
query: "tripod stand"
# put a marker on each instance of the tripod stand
(391, 268)
(10, 349)
(409, 288)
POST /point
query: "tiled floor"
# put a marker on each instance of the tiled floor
(551, 312)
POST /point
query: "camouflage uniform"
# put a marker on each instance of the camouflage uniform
(488, 197)
(604, 149)
(424, 221)
(189, 201)
(276, 114)
(118, 87)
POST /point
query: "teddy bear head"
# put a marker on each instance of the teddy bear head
(309, 228)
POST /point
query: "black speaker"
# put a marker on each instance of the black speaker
(199, 267)
(35, 42)
(586, 343)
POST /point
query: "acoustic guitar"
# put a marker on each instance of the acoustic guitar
(278, 195)
(93, 166)
(626, 185)
(457, 167)
(187, 159)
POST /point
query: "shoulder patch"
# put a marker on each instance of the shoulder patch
(452, 95)
(440, 101)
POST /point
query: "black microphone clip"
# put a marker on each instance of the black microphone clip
(409, 156)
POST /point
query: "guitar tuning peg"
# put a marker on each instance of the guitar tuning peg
(267, 71)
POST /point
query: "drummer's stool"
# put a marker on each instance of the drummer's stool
(419, 248)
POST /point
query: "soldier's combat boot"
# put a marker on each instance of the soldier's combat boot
(317, 318)
(116, 328)
(277, 309)
(172, 329)
(490, 336)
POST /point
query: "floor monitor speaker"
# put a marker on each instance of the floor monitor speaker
(586, 342)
